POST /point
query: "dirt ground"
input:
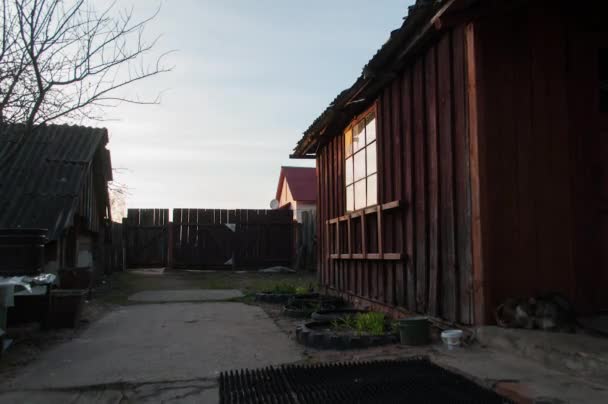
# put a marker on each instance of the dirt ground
(129, 348)
(29, 341)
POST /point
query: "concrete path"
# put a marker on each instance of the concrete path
(154, 352)
(192, 295)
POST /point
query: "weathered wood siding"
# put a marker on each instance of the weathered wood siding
(232, 238)
(539, 131)
(146, 237)
(423, 161)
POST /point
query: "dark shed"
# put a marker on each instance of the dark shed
(469, 162)
(56, 178)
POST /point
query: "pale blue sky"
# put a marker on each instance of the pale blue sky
(249, 78)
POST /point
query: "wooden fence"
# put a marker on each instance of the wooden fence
(115, 259)
(147, 237)
(210, 238)
(306, 242)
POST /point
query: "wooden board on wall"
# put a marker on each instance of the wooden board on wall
(423, 162)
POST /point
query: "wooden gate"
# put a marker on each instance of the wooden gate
(219, 238)
(146, 237)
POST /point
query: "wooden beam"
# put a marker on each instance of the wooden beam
(350, 238)
(380, 235)
(363, 237)
(337, 237)
(369, 257)
(474, 101)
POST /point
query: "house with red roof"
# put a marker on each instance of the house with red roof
(297, 190)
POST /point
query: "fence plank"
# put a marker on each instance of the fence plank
(146, 238)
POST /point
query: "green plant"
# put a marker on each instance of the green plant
(372, 323)
(362, 323)
(284, 288)
(345, 323)
(301, 290)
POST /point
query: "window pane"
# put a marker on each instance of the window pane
(372, 190)
(370, 128)
(360, 165)
(350, 201)
(349, 171)
(360, 194)
(371, 159)
(359, 136)
(348, 142)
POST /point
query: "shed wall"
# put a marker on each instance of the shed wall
(539, 134)
(422, 161)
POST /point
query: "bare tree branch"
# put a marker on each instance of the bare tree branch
(61, 59)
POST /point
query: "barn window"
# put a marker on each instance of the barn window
(603, 76)
(360, 160)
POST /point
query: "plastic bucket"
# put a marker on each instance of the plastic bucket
(452, 338)
(414, 331)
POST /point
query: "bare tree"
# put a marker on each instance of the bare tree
(118, 200)
(62, 59)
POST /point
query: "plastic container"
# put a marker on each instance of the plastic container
(414, 331)
(452, 338)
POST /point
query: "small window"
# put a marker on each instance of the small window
(603, 78)
(361, 163)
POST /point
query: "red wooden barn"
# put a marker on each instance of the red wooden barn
(469, 162)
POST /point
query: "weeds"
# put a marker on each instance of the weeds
(291, 289)
(362, 323)
(284, 288)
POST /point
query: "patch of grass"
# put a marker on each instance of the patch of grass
(291, 289)
(372, 323)
(284, 288)
(302, 290)
(124, 284)
(362, 323)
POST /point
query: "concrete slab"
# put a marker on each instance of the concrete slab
(190, 392)
(162, 343)
(520, 379)
(148, 271)
(580, 354)
(59, 397)
(190, 295)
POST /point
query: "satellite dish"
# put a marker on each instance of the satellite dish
(274, 204)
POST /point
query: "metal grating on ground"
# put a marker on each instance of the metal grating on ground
(405, 381)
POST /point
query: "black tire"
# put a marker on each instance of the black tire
(295, 311)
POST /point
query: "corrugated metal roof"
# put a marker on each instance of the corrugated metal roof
(41, 174)
(342, 107)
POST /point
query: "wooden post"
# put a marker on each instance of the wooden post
(350, 237)
(170, 243)
(363, 236)
(380, 235)
(474, 102)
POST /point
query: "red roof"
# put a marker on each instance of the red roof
(302, 183)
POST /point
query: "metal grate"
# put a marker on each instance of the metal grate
(405, 381)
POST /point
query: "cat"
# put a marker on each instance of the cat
(548, 312)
